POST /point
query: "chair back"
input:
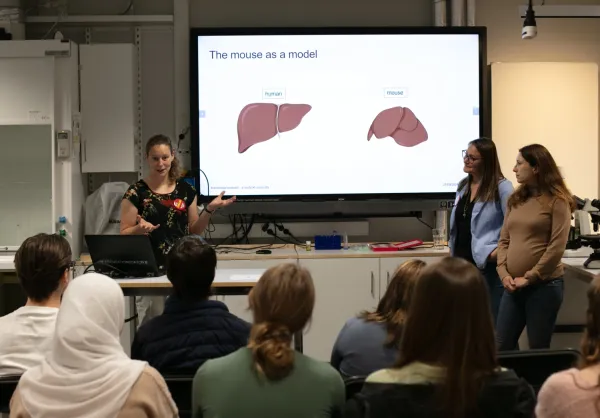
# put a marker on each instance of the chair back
(180, 387)
(354, 384)
(536, 366)
(8, 384)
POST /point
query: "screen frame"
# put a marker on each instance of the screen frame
(195, 33)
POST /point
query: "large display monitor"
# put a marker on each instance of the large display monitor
(334, 113)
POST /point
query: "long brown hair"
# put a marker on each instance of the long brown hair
(491, 171)
(175, 170)
(590, 344)
(393, 306)
(282, 303)
(548, 177)
(449, 324)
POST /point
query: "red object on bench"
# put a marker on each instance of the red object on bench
(399, 246)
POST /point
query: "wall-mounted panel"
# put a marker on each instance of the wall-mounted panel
(26, 183)
(26, 91)
(554, 104)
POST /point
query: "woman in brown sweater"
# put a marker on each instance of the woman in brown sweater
(532, 243)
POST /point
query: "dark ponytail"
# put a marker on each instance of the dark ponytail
(271, 350)
(175, 170)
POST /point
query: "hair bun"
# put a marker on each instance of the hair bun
(271, 349)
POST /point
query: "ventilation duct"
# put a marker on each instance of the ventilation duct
(440, 13)
(462, 12)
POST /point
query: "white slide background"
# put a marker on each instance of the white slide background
(328, 153)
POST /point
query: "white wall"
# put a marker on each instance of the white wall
(558, 40)
(554, 104)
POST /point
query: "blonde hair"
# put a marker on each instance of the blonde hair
(282, 303)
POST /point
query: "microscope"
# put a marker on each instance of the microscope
(581, 234)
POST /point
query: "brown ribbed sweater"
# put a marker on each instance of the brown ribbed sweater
(533, 239)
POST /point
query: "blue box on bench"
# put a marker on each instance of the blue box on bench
(328, 242)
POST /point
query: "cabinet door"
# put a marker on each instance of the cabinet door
(238, 304)
(344, 287)
(108, 108)
(387, 266)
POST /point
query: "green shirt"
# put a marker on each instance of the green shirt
(229, 387)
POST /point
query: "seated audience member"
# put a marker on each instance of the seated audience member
(575, 392)
(43, 266)
(192, 328)
(370, 341)
(447, 366)
(87, 374)
(269, 378)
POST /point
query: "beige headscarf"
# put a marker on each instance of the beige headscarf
(86, 374)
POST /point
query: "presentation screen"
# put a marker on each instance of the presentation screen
(334, 114)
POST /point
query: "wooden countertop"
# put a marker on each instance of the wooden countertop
(290, 251)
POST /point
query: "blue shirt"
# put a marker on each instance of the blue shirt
(486, 223)
(360, 348)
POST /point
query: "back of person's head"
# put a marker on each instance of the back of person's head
(590, 344)
(91, 315)
(393, 306)
(191, 266)
(42, 263)
(282, 303)
(450, 325)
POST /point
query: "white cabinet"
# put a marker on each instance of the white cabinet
(108, 75)
(27, 91)
(344, 287)
(238, 305)
(387, 267)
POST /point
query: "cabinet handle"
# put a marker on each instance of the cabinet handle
(372, 284)
(388, 278)
(84, 152)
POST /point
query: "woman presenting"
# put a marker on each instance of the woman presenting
(162, 205)
(532, 243)
(478, 215)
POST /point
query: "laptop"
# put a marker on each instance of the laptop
(122, 256)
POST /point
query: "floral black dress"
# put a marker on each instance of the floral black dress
(170, 211)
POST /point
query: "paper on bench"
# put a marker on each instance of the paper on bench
(244, 277)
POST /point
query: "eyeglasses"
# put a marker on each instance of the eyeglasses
(468, 157)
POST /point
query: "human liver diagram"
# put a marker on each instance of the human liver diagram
(259, 122)
(399, 123)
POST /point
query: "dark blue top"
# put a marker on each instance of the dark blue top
(187, 334)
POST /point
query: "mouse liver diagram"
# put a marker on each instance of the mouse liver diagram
(259, 122)
(401, 124)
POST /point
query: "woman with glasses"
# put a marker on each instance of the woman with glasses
(478, 214)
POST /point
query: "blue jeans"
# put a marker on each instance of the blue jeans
(495, 288)
(535, 306)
